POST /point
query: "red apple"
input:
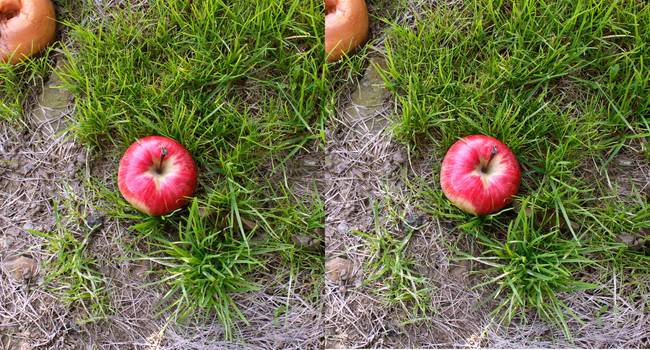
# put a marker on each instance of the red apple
(157, 175)
(480, 174)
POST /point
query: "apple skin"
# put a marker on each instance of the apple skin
(152, 191)
(472, 181)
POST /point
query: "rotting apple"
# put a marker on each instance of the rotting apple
(346, 27)
(480, 174)
(157, 175)
(26, 27)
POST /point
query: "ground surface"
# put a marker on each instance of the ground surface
(374, 187)
(42, 167)
(48, 186)
(366, 166)
(381, 243)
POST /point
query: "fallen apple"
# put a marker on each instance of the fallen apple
(26, 27)
(346, 27)
(157, 175)
(480, 174)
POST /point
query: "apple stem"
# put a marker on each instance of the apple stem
(494, 152)
(163, 153)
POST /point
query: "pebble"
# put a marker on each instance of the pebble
(338, 269)
(400, 156)
(95, 222)
(306, 242)
(459, 269)
(22, 268)
(624, 162)
(81, 159)
(139, 268)
(414, 221)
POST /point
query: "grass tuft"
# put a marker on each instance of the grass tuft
(390, 264)
(205, 266)
(532, 265)
(72, 272)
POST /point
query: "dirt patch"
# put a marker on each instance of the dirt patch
(37, 166)
(629, 172)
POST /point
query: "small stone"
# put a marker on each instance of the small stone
(459, 269)
(342, 227)
(248, 225)
(81, 159)
(413, 222)
(139, 268)
(370, 91)
(306, 242)
(95, 222)
(624, 162)
(338, 269)
(631, 241)
(22, 268)
(400, 156)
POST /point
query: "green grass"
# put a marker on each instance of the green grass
(10, 93)
(15, 83)
(240, 86)
(565, 85)
(204, 265)
(531, 266)
(390, 264)
(231, 81)
(72, 270)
